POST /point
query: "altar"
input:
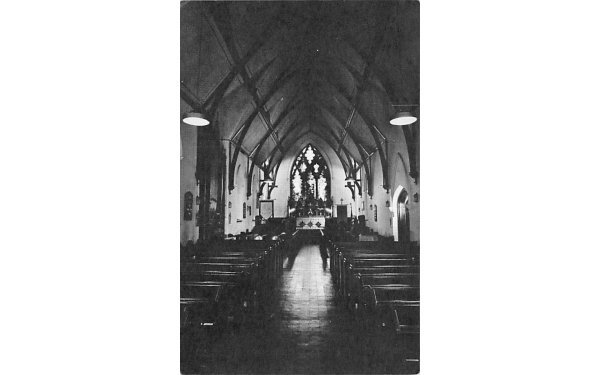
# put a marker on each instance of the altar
(310, 222)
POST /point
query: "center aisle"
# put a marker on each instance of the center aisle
(301, 330)
(306, 313)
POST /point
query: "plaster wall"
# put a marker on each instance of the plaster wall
(399, 178)
(235, 222)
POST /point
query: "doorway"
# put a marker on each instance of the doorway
(403, 217)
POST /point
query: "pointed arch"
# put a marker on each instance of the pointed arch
(310, 175)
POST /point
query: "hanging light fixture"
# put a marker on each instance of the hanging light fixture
(195, 119)
(350, 180)
(402, 117)
(268, 180)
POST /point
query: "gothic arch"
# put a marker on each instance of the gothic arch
(308, 170)
(400, 195)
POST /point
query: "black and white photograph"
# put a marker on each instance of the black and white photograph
(321, 228)
(309, 111)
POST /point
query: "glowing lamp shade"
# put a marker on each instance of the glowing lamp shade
(403, 118)
(195, 119)
(268, 180)
(350, 180)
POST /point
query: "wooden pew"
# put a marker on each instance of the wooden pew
(198, 305)
(395, 306)
(380, 283)
(356, 287)
(265, 265)
(241, 270)
(350, 274)
(341, 255)
(199, 310)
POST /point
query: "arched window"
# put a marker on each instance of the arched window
(310, 178)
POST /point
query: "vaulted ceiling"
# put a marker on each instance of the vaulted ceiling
(269, 73)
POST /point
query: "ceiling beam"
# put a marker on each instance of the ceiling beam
(243, 130)
(225, 33)
(292, 105)
(410, 131)
(218, 93)
(281, 80)
(288, 109)
(322, 107)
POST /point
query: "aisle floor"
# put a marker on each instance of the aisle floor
(304, 332)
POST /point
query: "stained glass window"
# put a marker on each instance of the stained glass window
(310, 154)
(296, 184)
(310, 178)
(322, 193)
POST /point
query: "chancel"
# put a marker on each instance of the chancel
(299, 187)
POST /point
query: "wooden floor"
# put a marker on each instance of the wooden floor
(302, 330)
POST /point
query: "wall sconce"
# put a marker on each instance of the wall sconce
(387, 203)
(229, 205)
(416, 197)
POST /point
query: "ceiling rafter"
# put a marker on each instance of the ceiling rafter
(311, 100)
(273, 168)
(288, 109)
(360, 83)
(376, 46)
(292, 105)
(348, 104)
(375, 72)
(217, 94)
(349, 158)
(352, 135)
(411, 131)
(225, 32)
(281, 80)
(189, 97)
(319, 103)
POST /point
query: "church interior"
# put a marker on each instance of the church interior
(299, 187)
